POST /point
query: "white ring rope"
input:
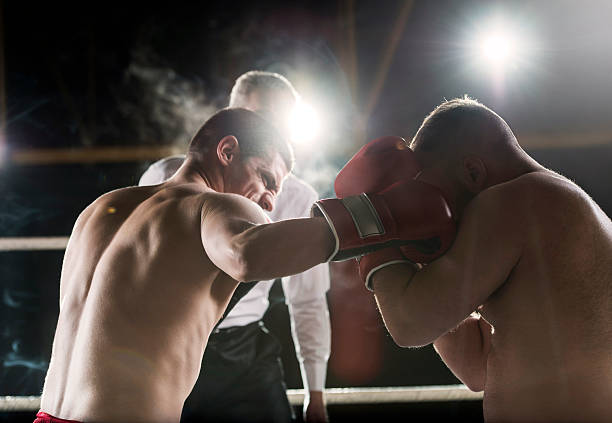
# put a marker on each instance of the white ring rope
(16, 404)
(33, 243)
(333, 396)
(386, 395)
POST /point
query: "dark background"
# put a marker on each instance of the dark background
(137, 74)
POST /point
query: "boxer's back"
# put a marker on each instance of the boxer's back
(550, 357)
(136, 307)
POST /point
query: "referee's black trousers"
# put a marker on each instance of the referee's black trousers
(241, 379)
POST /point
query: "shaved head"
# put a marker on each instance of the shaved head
(464, 147)
(462, 126)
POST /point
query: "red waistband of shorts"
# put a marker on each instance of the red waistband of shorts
(42, 417)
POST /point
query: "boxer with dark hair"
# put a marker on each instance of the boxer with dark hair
(242, 376)
(149, 271)
(532, 257)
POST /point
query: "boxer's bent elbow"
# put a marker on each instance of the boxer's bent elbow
(407, 341)
(402, 339)
(410, 326)
(465, 352)
(476, 385)
(407, 335)
(474, 380)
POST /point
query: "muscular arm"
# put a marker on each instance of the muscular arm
(465, 350)
(418, 307)
(240, 242)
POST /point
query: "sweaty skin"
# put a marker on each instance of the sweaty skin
(534, 256)
(147, 273)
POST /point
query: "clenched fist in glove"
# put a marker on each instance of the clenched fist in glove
(381, 205)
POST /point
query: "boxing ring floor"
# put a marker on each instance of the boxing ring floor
(448, 402)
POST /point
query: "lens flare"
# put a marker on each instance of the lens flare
(305, 123)
(498, 47)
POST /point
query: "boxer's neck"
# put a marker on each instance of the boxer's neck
(198, 172)
(511, 165)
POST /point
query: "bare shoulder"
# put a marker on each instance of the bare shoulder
(548, 185)
(501, 205)
(217, 205)
(545, 209)
(532, 193)
(556, 197)
(121, 203)
(106, 203)
(511, 209)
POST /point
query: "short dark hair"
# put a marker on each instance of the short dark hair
(256, 136)
(458, 122)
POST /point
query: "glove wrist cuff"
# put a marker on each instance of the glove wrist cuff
(368, 277)
(318, 210)
(355, 224)
(370, 263)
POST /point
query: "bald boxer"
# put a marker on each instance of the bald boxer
(533, 255)
(149, 271)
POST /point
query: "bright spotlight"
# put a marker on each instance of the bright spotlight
(305, 123)
(498, 48)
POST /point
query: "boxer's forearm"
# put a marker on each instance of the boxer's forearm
(284, 248)
(391, 291)
(465, 349)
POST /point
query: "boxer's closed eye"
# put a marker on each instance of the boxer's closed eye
(269, 182)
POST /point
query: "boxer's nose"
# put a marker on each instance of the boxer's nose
(266, 201)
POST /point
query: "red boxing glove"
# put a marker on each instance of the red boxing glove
(412, 216)
(409, 214)
(376, 166)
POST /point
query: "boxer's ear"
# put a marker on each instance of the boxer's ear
(227, 149)
(474, 174)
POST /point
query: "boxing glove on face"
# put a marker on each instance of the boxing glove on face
(409, 214)
(424, 230)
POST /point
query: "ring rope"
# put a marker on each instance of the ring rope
(17, 404)
(33, 243)
(117, 154)
(109, 154)
(384, 395)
